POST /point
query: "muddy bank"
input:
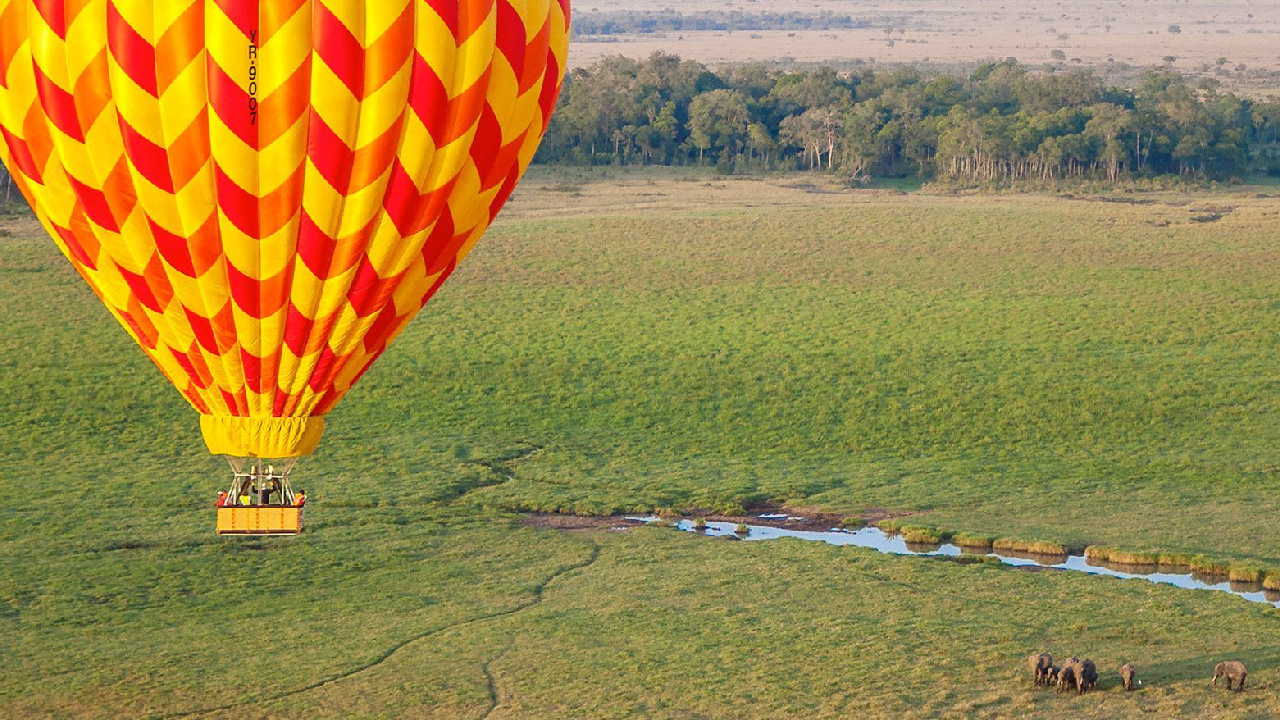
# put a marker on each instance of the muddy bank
(571, 522)
(790, 518)
(764, 515)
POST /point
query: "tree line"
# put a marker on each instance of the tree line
(1002, 123)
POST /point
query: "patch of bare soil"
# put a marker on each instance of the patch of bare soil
(873, 516)
(571, 522)
(796, 518)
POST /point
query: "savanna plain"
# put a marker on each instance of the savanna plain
(1075, 369)
(1234, 41)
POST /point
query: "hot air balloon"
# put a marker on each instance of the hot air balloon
(265, 192)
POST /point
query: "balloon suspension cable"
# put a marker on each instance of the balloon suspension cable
(254, 481)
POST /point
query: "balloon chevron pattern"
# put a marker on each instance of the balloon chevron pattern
(265, 192)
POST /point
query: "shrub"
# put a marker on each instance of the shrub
(853, 522)
(741, 529)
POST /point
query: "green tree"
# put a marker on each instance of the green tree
(718, 122)
(760, 142)
(1110, 126)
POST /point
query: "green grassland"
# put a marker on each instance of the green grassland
(1087, 371)
(1059, 368)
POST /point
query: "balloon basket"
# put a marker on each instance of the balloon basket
(261, 500)
(259, 520)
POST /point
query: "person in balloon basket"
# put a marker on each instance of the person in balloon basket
(222, 499)
(300, 498)
(267, 487)
(247, 487)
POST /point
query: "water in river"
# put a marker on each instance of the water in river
(876, 539)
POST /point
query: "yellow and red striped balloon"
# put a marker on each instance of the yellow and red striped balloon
(265, 192)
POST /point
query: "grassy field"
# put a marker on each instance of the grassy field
(1095, 372)
(1066, 368)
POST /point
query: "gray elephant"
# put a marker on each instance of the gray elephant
(1040, 664)
(1232, 670)
(1067, 675)
(1053, 675)
(1086, 675)
(1128, 675)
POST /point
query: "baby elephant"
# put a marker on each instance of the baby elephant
(1067, 675)
(1040, 664)
(1053, 675)
(1232, 670)
(1128, 675)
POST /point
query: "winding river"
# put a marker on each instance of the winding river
(877, 539)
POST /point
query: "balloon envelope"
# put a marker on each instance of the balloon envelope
(264, 192)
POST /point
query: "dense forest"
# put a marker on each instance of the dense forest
(1003, 123)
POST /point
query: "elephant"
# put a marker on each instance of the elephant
(1053, 675)
(1086, 675)
(1040, 664)
(1128, 675)
(1232, 670)
(1067, 675)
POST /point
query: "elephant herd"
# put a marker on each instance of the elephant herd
(1075, 673)
(1082, 675)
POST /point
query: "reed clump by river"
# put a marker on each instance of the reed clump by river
(1242, 572)
(929, 534)
(1202, 564)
